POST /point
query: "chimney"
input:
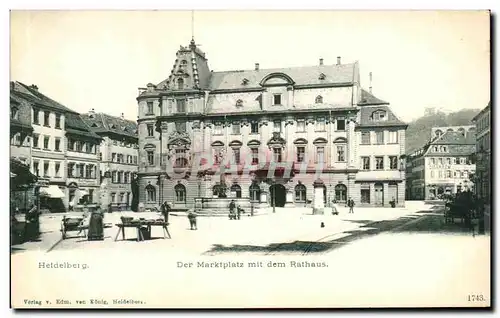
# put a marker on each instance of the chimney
(256, 66)
(320, 61)
(33, 86)
(121, 116)
(370, 82)
(338, 60)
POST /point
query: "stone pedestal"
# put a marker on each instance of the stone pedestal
(289, 198)
(318, 200)
(104, 196)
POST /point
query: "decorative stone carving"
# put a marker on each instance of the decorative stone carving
(245, 122)
(289, 121)
(196, 124)
(207, 125)
(226, 124)
(310, 120)
(263, 123)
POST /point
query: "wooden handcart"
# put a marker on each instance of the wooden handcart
(73, 224)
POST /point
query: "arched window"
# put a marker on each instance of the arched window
(255, 192)
(300, 193)
(180, 83)
(237, 190)
(438, 133)
(379, 115)
(341, 193)
(180, 193)
(319, 99)
(150, 193)
(461, 131)
(450, 129)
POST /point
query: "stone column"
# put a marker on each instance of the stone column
(318, 200)
(104, 196)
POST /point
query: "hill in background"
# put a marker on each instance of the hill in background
(419, 130)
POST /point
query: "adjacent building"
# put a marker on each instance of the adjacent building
(483, 155)
(315, 121)
(443, 166)
(118, 157)
(53, 127)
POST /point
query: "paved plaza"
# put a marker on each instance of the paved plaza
(288, 230)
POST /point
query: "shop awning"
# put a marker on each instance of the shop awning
(52, 191)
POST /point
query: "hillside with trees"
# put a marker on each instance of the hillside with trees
(419, 130)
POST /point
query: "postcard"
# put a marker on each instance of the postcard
(250, 159)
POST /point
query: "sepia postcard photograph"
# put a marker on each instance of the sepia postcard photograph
(204, 159)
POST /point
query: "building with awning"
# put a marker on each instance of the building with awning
(22, 183)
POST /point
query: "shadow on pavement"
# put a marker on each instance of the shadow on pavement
(426, 221)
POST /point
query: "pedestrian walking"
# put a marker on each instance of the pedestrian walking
(350, 204)
(232, 213)
(165, 210)
(238, 211)
(192, 220)
(335, 210)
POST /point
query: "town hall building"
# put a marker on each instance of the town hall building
(283, 132)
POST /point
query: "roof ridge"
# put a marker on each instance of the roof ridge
(285, 68)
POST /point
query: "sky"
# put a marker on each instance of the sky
(99, 59)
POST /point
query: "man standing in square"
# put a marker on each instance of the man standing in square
(350, 204)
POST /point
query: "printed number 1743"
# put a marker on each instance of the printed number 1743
(476, 298)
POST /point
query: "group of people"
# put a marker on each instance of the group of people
(165, 209)
(349, 203)
(235, 211)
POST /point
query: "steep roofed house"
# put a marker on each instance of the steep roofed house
(443, 166)
(284, 137)
(118, 155)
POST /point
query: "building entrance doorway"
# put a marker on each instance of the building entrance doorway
(278, 195)
(379, 194)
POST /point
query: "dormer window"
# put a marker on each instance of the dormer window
(184, 63)
(14, 112)
(319, 99)
(379, 115)
(180, 83)
(239, 103)
(322, 76)
(245, 81)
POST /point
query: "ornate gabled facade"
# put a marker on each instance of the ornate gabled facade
(269, 135)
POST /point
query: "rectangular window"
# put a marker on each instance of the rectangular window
(149, 109)
(46, 140)
(379, 137)
(320, 124)
(82, 170)
(301, 152)
(365, 163)
(277, 126)
(255, 156)
(57, 169)
(236, 129)
(448, 161)
(58, 121)
(113, 176)
(46, 118)
(35, 140)
(341, 153)
(254, 128)
(113, 197)
(45, 168)
(277, 99)
(365, 138)
(236, 155)
(433, 161)
(277, 154)
(150, 130)
(440, 161)
(35, 168)
(70, 169)
(57, 145)
(301, 126)
(341, 123)
(320, 154)
(462, 161)
(432, 173)
(113, 157)
(393, 137)
(448, 174)
(379, 163)
(181, 105)
(393, 160)
(218, 129)
(36, 115)
(119, 177)
(151, 159)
